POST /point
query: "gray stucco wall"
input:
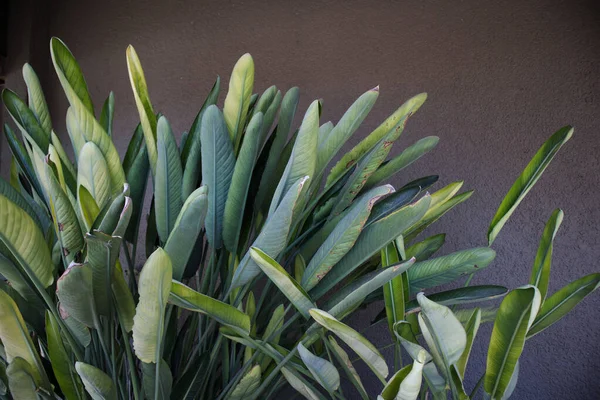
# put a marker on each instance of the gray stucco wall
(501, 77)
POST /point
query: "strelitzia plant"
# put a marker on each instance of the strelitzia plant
(255, 248)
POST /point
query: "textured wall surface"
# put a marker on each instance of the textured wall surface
(501, 77)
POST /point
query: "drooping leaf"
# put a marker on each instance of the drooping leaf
(237, 102)
(361, 346)
(185, 297)
(344, 360)
(560, 303)
(515, 316)
(36, 98)
(322, 370)
(540, 274)
(218, 163)
(148, 323)
(286, 284)
(142, 100)
(99, 385)
(528, 179)
(187, 228)
(233, 214)
(463, 295)
(167, 180)
(300, 386)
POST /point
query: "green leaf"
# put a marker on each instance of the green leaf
(19, 283)
(463, 295)
(342, 238)
(19, 200)
(286, 284)
(187, 228)
(123, 298)
(560, 303)
(273, 236)
(16, 340)
(102, 254)
(471, 329)
(88, 208)
(403, 160)
(36, 99)
(164, 385)
(21, 235)
(167, 181)
(148, 323)
(218, 163)
(21, 380)
(425, 249)
(270, 113)
(136, 168)
(25, 119)
(299, 384)
(361, 346)
(107, 114)
(347, 125)
(396, 121)
(515, 316)
(528, 179)
(65, 374)
(92, 173)
(237, 102)
(441, 270)
(23, 160)
(372, 239)
(142, 101)
(247, 385)
(233, 214)
(74, 290)
(540, 275)
(343, 359)
(395, 292)
(407, 380)
(322, 370)
(99, 385)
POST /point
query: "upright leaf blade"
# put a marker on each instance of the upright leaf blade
(540, 274)
(36, 98)
(237, 102)
(99, 385)
(528, 178)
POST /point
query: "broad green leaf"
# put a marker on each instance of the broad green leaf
(361, 346)
(344, 299)
(22, 382)
(88, 208)
(69, 74)
(161, 389)
(440, 270)
(148, 324)
(107, 114)
(75, 132)
(528, 179)
(80, 332)
(19, 283)
(463, 295)
(16, 340)
(142, 100)
(286, 284)
(342, 238)
(303, 160)
(237, 102)
(190, 154)
(424, 249)
(347, 125)
(560, 303)
(218, 163)
(233, 214)
(471, 329)
(287, 113)
(443, 332)
(74, 290)
(185, 297)
(344, 360)
(36, 98)
(540, 274)
(99, 385)
(167, 181)
(22, 157)
(322, 370)
(19, 200)
(273, 236)
(25, 119)
(92, 173)
(65, 374)
(300, 386)
(102, 254)
(403, 160)
(22, 237)
(187, 228)
(396, 121)
(515, 317)
(247, 385)
(371, 240)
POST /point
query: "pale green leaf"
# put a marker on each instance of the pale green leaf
(322, 370)
(237, 101)
(99, 385)
(540, 274)
(93, 174)
(36, 99)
